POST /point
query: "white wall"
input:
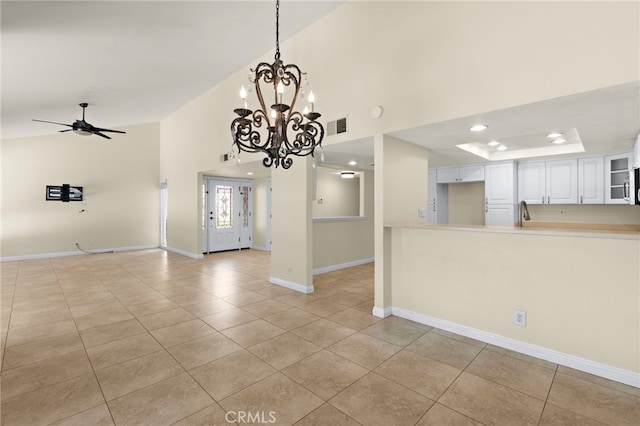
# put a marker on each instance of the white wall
(121, 192)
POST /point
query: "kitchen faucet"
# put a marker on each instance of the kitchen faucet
(523, 210)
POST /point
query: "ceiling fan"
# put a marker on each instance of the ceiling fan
(83, 128)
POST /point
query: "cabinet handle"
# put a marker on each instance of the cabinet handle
(548, 199)
(543, 199)
(581, 199)
(625, 191)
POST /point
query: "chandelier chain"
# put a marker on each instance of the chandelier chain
(277, 29)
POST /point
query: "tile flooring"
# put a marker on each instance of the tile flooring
(153, 338)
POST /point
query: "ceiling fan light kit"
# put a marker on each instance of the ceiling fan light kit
(268, 130)
(81, 127)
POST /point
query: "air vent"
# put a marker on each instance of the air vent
(337, 126)
(224, 157)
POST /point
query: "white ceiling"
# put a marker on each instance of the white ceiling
(133, 61)
(137, 62)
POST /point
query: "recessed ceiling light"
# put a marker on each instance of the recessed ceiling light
(478, 127)
(493, 143)
(353, 163)
(558, 141)
(250, 173)
(554, 135)
(501, 148)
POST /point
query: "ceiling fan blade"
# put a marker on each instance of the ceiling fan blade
(107, 130)
(97, 132)
(52, 122)
(65, 130)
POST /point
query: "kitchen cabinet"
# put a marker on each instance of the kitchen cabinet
(548, 182)
(438, 196)
(616, 178)
(499, 190)
(499, 215)
(461, 174)
(591, 180)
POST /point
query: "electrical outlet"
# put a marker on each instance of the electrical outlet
(520, 317)
(422, 212)
(561, 211)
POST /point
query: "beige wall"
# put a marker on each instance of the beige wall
(401, 173)
(340, 197)
(580, 294)
(337, 242)
(291, 229)
(260, 213)
(121, 192)
(466, 203)
(584, 213)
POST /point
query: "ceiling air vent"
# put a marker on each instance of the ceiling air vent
(337, 126)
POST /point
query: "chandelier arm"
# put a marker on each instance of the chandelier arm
(296, 77)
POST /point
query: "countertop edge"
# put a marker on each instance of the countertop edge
(616, 235)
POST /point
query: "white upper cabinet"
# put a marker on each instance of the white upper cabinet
(548, 182)
(499, 183)
(616, 178)
(562, 182)
(532, 182)
(472, 173)
(591, 180)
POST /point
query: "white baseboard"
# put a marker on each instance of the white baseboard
(306, 289)
(381, 313)
(339, 266)
(596, 368)
(184, 253)
(73, 253)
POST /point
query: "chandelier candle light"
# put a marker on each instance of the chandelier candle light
(282, 131)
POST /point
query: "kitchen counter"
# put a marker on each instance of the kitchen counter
(527, 230)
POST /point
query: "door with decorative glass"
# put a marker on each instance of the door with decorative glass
(228, 210)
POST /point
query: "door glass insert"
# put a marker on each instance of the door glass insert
(244, 193)
(224, 207)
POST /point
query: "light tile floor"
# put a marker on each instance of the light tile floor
(154, 338)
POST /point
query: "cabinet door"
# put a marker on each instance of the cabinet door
(562, 182)
(499, 215)
(447, 175)
(591, 180)
(499, 183)
(616, 178)
(532, 182)
(473, 173)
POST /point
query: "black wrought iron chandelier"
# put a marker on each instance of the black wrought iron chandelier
(279, 131)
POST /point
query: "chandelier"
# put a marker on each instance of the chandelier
(279, 131)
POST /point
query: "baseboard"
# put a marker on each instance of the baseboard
(380, 312)
(339, 266)
(73, 253)
(184, 253)
(306, 289)
(596, 368)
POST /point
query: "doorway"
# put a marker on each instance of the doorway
(227, 214)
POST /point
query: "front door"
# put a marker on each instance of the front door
(228, 207)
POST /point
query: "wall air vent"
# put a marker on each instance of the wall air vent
(224, 157)
(337, 126)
